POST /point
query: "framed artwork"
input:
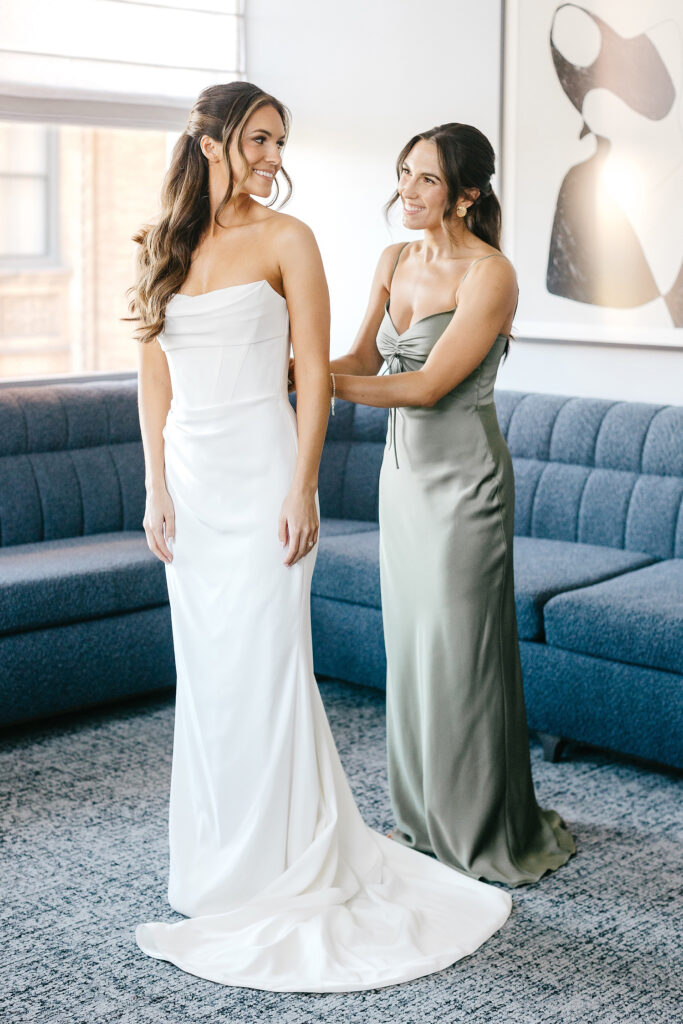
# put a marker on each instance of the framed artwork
(592, 151)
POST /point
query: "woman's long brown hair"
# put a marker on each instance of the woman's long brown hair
(166, 247)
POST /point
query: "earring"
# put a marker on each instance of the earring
(461, 210)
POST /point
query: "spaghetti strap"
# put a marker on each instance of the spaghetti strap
(398, 256)
(479, 260)
(488, 257)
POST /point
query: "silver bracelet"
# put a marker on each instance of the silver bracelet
(334, 393)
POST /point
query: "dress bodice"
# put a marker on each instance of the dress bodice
(226, 345)
(409, 351)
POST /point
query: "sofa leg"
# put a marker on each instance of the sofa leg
(553, 746)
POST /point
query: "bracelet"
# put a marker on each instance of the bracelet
(334, 393)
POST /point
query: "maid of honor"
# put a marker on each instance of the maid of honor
(440, 315)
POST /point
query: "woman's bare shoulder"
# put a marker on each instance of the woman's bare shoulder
(498, 267)
(387, 261)
(489, 276)
(287, 228)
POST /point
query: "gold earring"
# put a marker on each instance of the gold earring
(461, 210)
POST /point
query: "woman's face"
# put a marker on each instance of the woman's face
(263, 140)
(422, 188)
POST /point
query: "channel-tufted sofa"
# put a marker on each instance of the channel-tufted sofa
(84, 614)
(598, 565)
(598, 560)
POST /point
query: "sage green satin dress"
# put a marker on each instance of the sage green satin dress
(458, 745)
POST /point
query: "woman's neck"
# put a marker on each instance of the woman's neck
(235, 214)
(438, 244)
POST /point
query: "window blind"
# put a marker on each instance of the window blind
(127, 62)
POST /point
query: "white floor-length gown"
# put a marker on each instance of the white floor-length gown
(282, 885)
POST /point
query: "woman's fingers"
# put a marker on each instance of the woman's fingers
(158, 535)
(159, 524)
(293, 549)
(301, 543)
(153, 544)
(282, 529)
(298, 526)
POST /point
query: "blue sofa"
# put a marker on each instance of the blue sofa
(84, 614)
(598, 566)
(599, 569)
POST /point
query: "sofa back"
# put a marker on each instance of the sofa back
(596, 471)
(352, 457)
(71, 461)
(587, 470)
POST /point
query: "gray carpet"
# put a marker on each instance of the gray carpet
(83, 808)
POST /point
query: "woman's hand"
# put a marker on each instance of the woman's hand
(298, 524)
(159, 513)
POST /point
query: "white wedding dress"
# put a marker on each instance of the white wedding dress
(282, 885)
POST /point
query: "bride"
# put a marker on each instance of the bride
(280, 883)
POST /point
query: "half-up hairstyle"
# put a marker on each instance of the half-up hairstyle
(467, 161)
(166, 247)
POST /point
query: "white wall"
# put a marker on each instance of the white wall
(360, 79)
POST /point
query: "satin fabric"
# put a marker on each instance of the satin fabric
(457, 736)
(282, 885)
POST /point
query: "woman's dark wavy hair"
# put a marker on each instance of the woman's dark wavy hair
(166, 247)
(467, 162)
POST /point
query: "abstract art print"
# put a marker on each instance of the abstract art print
(593, 168)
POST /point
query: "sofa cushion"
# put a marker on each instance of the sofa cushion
(635, 618)
(71, 461)
(330, 527)
(347, 567)
(596, 471)
(57, 581)
(544, 568)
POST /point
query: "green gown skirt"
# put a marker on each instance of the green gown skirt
(458, 744)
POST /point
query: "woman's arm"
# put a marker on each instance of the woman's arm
(308, 302)
(154, 399)
(363, 356)
(483, 310)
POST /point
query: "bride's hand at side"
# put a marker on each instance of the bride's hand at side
(159, 512)
(298, 525)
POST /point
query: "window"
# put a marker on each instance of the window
(92, 97)
(28, 185)
(71, 197)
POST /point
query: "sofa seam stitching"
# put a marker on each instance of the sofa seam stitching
(77, 622)
(628, 511)
(346, 600)
(580, 503)
(113, 462)
(644, 442)
(599, 430)
(67, 450)
(601, 657)
(533, 497)
(552, 429)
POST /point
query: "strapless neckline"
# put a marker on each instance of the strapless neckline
(227, 288)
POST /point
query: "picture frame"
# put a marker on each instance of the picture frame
(592, 168)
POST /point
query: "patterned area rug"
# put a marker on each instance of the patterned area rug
(83, 811)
